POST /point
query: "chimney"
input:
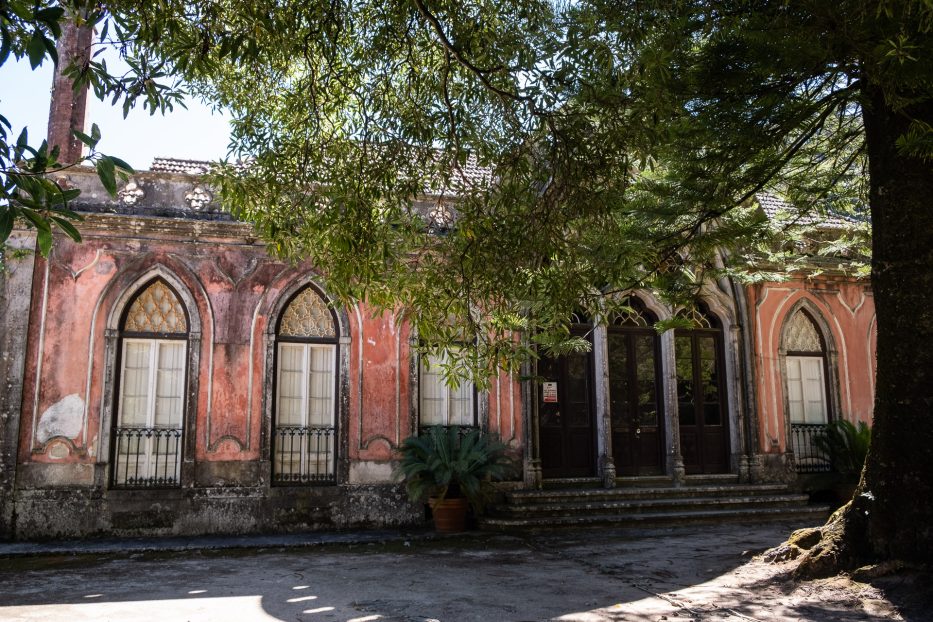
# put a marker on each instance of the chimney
(68, 108)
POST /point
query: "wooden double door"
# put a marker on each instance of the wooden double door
(567, 419)
(567, 398)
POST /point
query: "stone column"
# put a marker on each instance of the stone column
(531, 453)
(741, 427)
(671, 417)
(15, 300)
(606, 464)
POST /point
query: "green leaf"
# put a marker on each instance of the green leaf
(45, 241)
(122, 164)
(50, 14)
(6, 224)
(107, 174)
(68, 228)
(36, 49)
(62, 197)
(84, 138)
(5, 47)
(50, 48)
(37, 221)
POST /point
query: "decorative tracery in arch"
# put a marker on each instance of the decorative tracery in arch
(308, 316)
(156, 310)
(802, 334)
(698, 317)
(632, 314)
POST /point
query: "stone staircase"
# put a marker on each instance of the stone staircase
(649, 502)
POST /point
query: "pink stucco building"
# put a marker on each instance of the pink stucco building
(167, 375)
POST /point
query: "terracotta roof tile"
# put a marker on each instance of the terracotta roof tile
(779, 211)
(176, 165)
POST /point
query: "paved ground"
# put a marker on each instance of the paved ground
(698, 573)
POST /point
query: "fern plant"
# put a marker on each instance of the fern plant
(845, 446)
(444, 463)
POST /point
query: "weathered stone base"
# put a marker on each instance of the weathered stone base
(775, 468)
(60, 513)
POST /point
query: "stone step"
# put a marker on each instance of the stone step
(572, 495)
(652, 519)
(653, 481)
(712, 478)
(647, 505)
(639, 481)
(572, 482)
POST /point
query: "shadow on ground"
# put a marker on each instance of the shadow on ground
(583, 576)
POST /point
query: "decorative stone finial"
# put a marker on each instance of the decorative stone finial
(441, 218)
(198, 198)
(131, 194)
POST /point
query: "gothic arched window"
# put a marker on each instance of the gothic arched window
(806, 389)
(805, 367)
(148, 430)
(304, 434)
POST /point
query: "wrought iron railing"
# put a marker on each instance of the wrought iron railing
(147, 457)
(304, 455)
(462, 430)
(807, 456)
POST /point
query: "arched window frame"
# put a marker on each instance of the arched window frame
(799, 434)
(821, 354)
(306, 442)
(140, 455)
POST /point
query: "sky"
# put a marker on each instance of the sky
(196, 133)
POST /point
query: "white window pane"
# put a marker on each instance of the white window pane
(169, 384)
(134, 400)
(814, 390)
(432, 392)
(461, 404)
(152, 391)
(806, 390)
(291, 384)
(321, 386)
(795, 390)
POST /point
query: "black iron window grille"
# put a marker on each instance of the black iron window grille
(304, 454)
(808, 457)
(147, 457)
(462, 430)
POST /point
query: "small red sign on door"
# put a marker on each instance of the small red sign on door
(550, 392)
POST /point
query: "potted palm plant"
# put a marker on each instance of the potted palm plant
(452, 471)
(845, 446)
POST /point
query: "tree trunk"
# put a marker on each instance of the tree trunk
(891, 516)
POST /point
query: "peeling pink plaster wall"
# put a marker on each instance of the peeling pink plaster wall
(380, 395)
(847, 307)
(505, 409)
(235, 288)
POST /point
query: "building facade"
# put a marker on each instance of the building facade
(168, 376)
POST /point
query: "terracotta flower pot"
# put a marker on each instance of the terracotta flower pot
(449, 514)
